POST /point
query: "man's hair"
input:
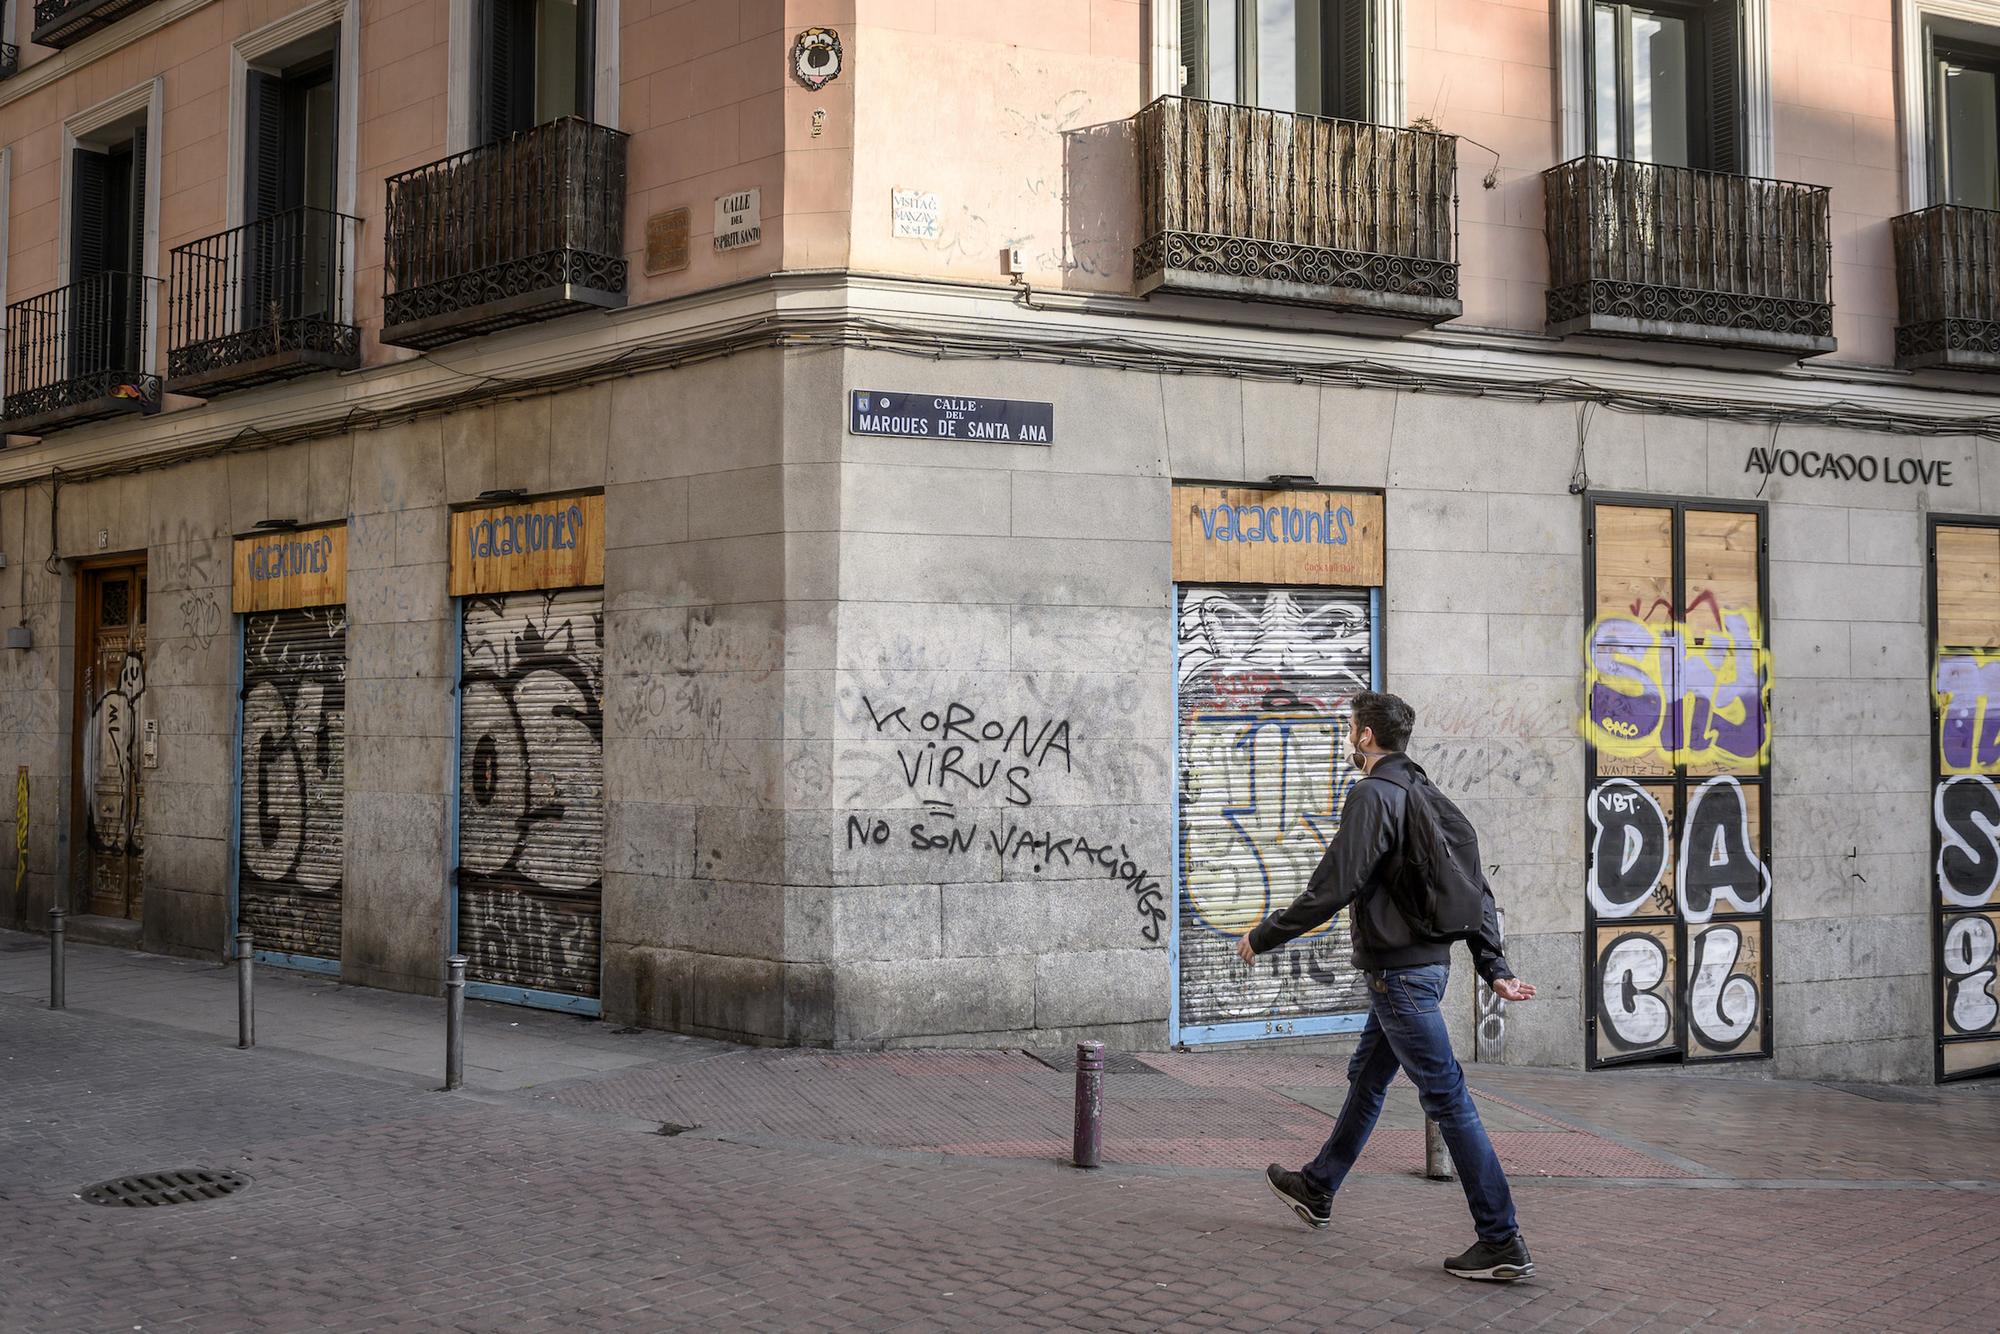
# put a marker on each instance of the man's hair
(1388, 716)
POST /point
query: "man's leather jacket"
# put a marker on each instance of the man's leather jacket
(1356, 871)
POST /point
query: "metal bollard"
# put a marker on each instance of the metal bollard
(1087, 1145)
(56, 979)
(454, 1024)
(1437, 1158)
(246, 1013)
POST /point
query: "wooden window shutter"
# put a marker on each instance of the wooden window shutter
(586, 59)
(135, 263)
(507, 71)
(263, 192)
(89, 179)
(264, 156)
(129, 300)
(1194, 49)
(1723, 61)
(1354, 68)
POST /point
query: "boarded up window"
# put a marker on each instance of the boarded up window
(1677, 708)
(1965, 805)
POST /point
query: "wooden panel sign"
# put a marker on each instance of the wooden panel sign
(1244, 535)
(279, 571)
(527, 544)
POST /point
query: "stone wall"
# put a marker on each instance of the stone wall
(856, 687)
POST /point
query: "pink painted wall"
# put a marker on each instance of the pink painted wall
(1001, 108)
(703, 93)
(1833, 89)
(1484, 69)
(1012, 111)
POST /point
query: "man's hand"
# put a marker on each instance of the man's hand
(1514, 989)
(1248, 955)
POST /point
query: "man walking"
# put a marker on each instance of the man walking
(1407, 969)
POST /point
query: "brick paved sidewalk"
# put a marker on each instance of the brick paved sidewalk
(375, 1203)
(1228, 1109)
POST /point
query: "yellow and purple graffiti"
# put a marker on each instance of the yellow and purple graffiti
(1679, 693)
(1966, 684)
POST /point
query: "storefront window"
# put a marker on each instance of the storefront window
(1965, 833)
(1677, 895)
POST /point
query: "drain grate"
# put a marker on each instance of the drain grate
(180, 1185)
(1115, 1062)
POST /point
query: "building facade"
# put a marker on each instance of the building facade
(854, 523)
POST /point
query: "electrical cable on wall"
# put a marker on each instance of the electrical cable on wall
(806, 332)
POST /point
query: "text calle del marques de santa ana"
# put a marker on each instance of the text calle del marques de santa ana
(948, 754)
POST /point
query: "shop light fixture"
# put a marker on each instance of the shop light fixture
(1292, 479)
(277, 523)
(503, 493)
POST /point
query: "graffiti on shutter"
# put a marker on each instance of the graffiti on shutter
(531, 789)
(294, 817)
(1264, 680)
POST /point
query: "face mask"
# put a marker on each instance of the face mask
(1359, 761)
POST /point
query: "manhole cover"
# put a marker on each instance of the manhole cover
(182, 1185)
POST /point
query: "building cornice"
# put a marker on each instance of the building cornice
(804, 310)
(140, 24)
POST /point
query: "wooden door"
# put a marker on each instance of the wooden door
(108, 757)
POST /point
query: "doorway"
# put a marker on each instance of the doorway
(108, 756)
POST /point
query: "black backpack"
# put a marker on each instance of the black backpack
(1437, 885)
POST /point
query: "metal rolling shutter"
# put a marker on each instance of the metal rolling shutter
(1264, 676)
(294, 818)
(531, 789)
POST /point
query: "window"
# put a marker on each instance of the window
(1310, 56)
(291, 155)
(1677, 753)
(1664, 84)
(1683, 83)
(1965, 804)
(539, 64)
(1965, 111)
(107, 252)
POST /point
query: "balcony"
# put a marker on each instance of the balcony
(60, 23)
(1245, 202)
(10, 60)
(262, 302)
(1643, 251)
(527, 229)
(77, 354)
(1948, 288)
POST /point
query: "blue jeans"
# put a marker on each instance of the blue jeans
(1405, 1029)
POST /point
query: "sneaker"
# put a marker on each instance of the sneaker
(1493, 1261)
(1314, 1207)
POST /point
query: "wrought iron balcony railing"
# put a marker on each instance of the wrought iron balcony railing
(60, 23)
(1948, 288)
(79, 353)
(261, 302)
(1249, 202)
(10, 60)
(1638, 249)
(526, 229)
